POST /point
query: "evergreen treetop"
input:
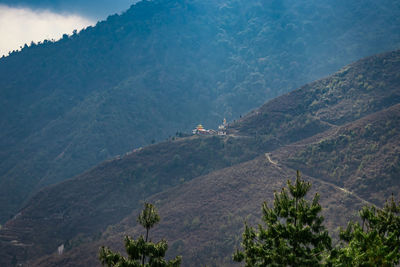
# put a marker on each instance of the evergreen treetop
(374, 242)
(141, 252)
(293, 233)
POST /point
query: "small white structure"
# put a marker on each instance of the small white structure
(222, 128)
(60, 249)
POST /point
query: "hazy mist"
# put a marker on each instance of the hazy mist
(22, 25)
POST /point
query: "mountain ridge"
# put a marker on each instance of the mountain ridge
(82, 208)
(164, 66)
(191, 211)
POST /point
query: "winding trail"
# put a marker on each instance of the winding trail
(303, 143)
(345, 191)
(268, 158)
(335, 129)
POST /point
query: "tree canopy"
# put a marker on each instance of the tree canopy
(374, 242)
(293, 233)
(141, 252)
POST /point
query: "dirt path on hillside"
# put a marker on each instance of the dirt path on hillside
(267, 156)
(345, 191)
(303, 143)
(276, 164)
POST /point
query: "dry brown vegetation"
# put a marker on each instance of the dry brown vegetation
(340, 133)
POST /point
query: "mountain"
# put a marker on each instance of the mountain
(340, 131)
(204, 218)
(161, 67)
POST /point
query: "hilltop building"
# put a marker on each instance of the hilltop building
(199, 130)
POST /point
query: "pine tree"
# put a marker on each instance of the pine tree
(141, 252)
(148, 218)
(293, 234)
(375, 242)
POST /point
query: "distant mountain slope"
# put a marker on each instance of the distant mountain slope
(203, 219)
(79, 209)
(164, 66)
(104, 195)
(361, 88)
(362, 156)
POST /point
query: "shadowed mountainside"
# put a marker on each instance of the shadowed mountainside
(351, 156)
(161, 67)
(203, 219)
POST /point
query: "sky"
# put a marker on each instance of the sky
(23, 21)
(19, 26)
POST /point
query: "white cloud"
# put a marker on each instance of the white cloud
(19, 26)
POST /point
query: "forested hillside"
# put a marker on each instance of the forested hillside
(164, 66)
(341, 132)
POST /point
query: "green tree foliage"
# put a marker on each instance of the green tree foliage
(148, 218)
(376, 242)
(141, 252)
(293, 233)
